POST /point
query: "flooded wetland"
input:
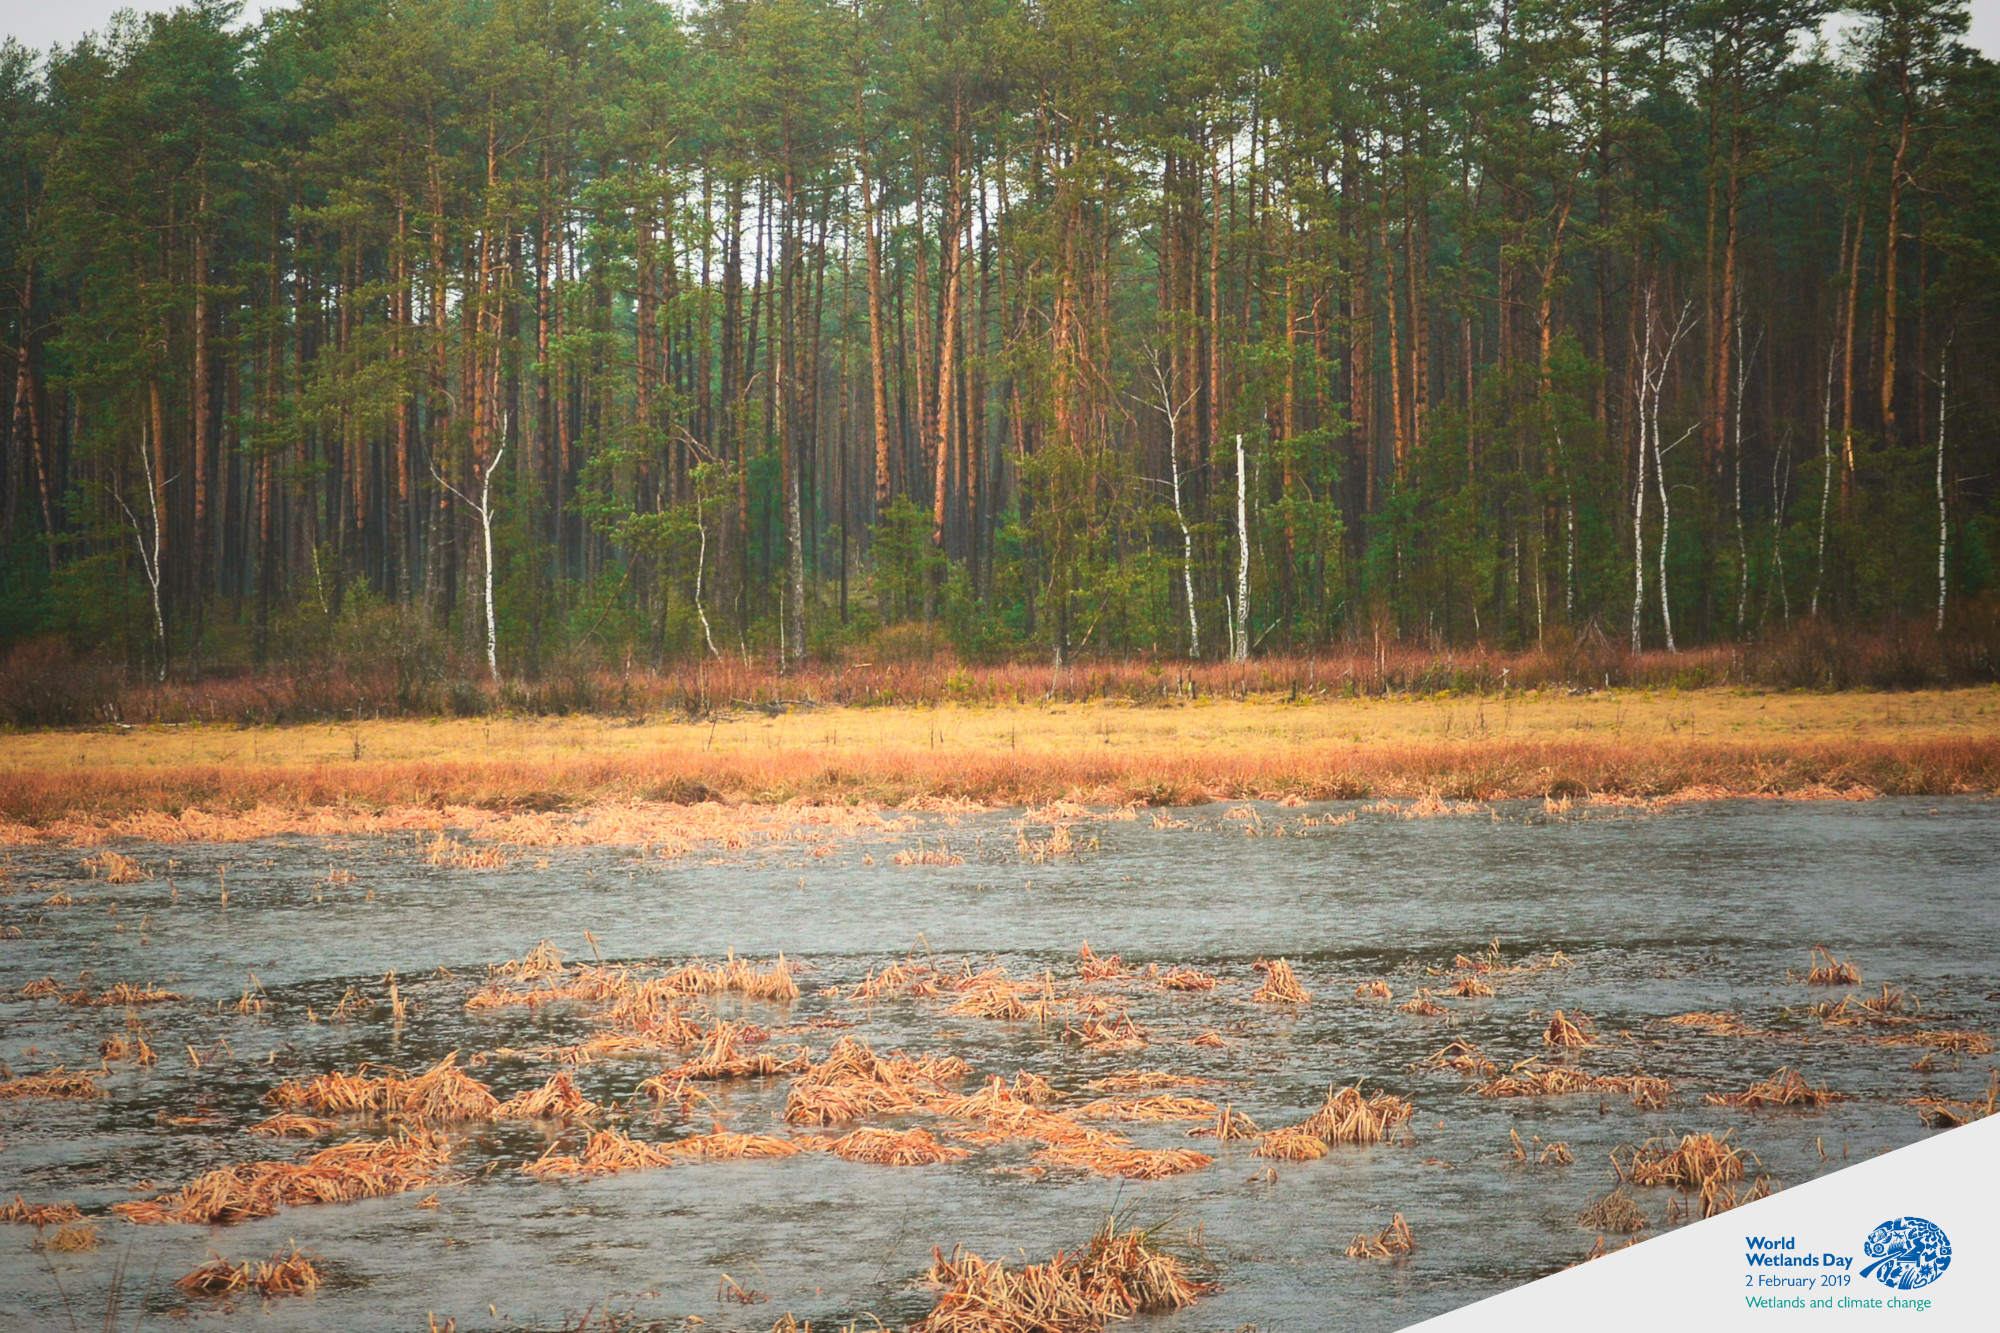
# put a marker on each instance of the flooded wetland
(1331, 1064)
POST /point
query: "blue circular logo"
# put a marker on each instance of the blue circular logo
(1908, 1253)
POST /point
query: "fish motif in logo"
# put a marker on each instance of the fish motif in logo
(1908, 1253)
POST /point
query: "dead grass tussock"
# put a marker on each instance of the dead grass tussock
(1570, 1030)
(907, 978)
(1461, 1057)
(1281, 986)
(443, 1093)
(888, 1147)
(1163, 1107)
(723, 1055)
(1955, 1042)
(1539, 1153)
(1186, 979)
(362, 1169)
(1125, 1163)
(1351, 1116)
(1694, 1163)
(557, 1099)
(1147, 1080)
(71, 1239)
(1720, 1024)
(722, 1145)
(451, 854)
(1615, 1212)
(127, 995)
(1423, 1004)
(607, 1153)
(127, 1046)
(1470, 988)
(1229, 1125)
(289, 1126)
(854, 1081)
(1118, 1033)
(1118, 1274)
(1786, 1088)
(40, 1214)
(1392, 1242)
(1294, 1143)
(42, 989)
(1373, 990)
(1645, 1090)
(1943, 1113)
(58, 1084)
(1826, 970)
(113, 868)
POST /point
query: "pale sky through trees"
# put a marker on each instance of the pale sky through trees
(40, 22)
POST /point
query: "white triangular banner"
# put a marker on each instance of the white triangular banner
(1844, 1251)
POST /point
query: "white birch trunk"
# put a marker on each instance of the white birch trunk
(1242, 608)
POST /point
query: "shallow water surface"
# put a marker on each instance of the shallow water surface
(1696, 907)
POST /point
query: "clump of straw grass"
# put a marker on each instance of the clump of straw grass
(1148, 1080)
(1421, 1004)
(58, 1084)
(442, 1093)
(1392, 1242)
(853, 1081)
(1470, 988)
(1292, 1144)
(1281, 986)
(1824, 969)
(1373, 990)
(1570, 1030)
(1943, 1113)
(1644, 1089)
(557, 1099)
(289, 1126)
(1118, 1274)
(608, 1153)
(1186, 979)
(1350, 1116)
(40, 1214)
(1615, 1212)
(363, 1169)
(115, 869)
(1696, 1162)
(292, 1274)
(71, 1239)
(888, 1147)
(1786, 1088)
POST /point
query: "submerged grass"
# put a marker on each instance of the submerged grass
(362, 1169)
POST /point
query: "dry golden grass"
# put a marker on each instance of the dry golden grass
(1392, 1242)
(114, 868)
(443, 1093)
(282, 1274)
(1697, 1162)
(1117, 1275)
(1158, 1108)
(289, 1126)
(1644, 1089)
(608, 1153)
(1569, 1030)
(1540, 1154)
(1186, 979)
(362, 1169)
(557, 1099)
(888, 1147)
(1787, 1088)
(126, 995)
(853, 1081)
(1423, 1004)
(1147, 1080)
(1943, 1113)
(1374, 990)
(71, 1239)
(724, 1055)
(1350, 1116)
(40, 1214)
(1281, 986)
(1826, 970)
(728, 1146)
(57, 1084)
(1461, 1057)
(1292, 1144)
(1615, 1212)
(437, 777)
